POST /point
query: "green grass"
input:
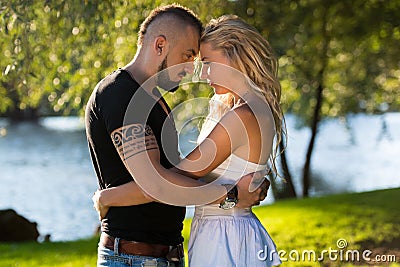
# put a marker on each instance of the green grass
(368, 220)
(67, 254)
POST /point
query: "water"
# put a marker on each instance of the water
(46, 176)
(354, 159)
(46, 173)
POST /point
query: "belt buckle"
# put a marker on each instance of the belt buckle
(150, 263)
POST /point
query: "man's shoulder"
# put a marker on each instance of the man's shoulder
(117, 80)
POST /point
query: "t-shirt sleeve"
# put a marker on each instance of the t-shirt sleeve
(122, 104)
(125, 111)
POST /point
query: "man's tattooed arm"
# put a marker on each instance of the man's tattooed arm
(129, 140)
(133, 139)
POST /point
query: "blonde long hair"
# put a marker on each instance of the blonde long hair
(252, 55)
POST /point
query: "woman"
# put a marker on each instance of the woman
(235, 236)
(245, 109)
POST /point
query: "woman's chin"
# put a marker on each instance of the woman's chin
(220, 91)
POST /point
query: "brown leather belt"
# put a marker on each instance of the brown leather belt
(143, 249)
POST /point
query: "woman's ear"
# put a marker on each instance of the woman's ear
(160, 45)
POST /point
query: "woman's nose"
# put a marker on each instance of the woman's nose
(205, 71)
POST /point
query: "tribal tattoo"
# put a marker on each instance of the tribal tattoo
(133, 139)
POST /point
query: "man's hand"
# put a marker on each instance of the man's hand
(101, 209)
(250, 192)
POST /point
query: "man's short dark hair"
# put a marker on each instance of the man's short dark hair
(182, 13)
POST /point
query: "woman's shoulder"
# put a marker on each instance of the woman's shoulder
(242, 114)
(253, 115)
(244, 111)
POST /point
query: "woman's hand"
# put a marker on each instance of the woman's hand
(98, 206)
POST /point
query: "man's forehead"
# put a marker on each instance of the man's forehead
(191, 38)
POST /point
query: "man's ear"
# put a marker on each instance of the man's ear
(160, 45)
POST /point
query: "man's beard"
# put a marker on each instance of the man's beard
(163, 79)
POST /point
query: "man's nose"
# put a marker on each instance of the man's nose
(189, 67)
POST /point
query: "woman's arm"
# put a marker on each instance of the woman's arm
(230, 133)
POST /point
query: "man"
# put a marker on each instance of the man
(148, 233)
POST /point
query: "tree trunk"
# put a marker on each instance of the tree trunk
(290, 192)
(317, 109)
(314, 130)
(286, 189)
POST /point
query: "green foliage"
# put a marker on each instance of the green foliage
(359, 69)
(54, 52)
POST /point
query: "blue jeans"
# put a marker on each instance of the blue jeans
(111, 258)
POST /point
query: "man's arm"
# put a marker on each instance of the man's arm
(128, 194)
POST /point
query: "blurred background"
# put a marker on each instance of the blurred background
(339, 71)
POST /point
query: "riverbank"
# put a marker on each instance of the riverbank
(338, 226)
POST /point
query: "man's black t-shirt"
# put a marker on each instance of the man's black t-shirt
(152, 222)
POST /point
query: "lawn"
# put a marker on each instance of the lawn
(348, 222)
(328, 231)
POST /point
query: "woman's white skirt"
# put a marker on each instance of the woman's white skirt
(229, 238)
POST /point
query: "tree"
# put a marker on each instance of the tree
(339, 55)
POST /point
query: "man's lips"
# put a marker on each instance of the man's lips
(182, 74)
